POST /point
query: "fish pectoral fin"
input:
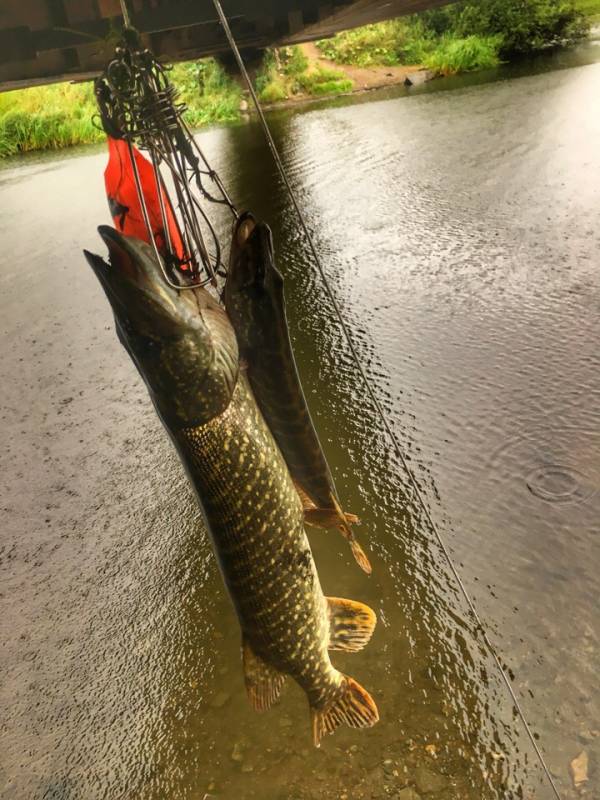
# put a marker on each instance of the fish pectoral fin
(263, 682)
(351, 624)
(354, 706)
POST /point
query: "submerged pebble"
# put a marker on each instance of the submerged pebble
(408, 794)
(579, 769)
(428, 781)
(237, 753)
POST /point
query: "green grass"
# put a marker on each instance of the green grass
(274, 91)
(452, 56)
(590, 8)
(286, 72)
(271, 83)
(367, 46)
(61, 115)
(210, 94)
(407, 41)
(322, 81)
(464, 36)
(47, 117)
(467, 35)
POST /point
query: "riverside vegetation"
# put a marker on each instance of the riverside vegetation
(464, 36)
(65, 114)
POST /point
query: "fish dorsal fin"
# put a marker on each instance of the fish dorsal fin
(263, 682)
(351, 624)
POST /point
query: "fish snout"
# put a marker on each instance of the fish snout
(133, 281)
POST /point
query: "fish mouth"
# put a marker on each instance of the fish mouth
(251, 250)
(243, 228)
(135, 286)
(248, 231)
(132, 260)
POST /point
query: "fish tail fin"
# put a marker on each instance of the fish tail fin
(351, 624)
(263, 682)
(354, 706)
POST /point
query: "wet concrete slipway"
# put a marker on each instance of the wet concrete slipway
(461, 231)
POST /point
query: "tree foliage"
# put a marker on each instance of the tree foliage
(469, 34)
(523, 25)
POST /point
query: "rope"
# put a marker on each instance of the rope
(374, 399)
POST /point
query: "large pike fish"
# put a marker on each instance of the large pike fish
(255, 304)
(185, 348)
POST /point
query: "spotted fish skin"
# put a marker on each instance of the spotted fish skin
(257, 524)
(255, 302)
(185, 349)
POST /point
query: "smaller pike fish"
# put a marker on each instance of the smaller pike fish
(255, 303)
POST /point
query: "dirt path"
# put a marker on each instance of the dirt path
(365, 77)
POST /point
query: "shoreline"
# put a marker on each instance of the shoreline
(364, 79)
(82, 133)
(303, 99)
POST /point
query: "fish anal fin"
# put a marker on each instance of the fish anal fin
(360, 556)
(263, 682)
(334, 517)
(354, 706)
(351, 624)
(329, 518)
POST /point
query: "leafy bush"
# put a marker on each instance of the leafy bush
(267, 71)
(210, 94)
(270, 83)
(464, 55)
(417, 50)
(525, 25)
(293, 60)
(372, 44)
(519, 26)
(273, 92)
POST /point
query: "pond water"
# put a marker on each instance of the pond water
(460, 230)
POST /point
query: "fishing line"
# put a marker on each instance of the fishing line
(370, 391)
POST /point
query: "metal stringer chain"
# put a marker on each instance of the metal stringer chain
(138, 104)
